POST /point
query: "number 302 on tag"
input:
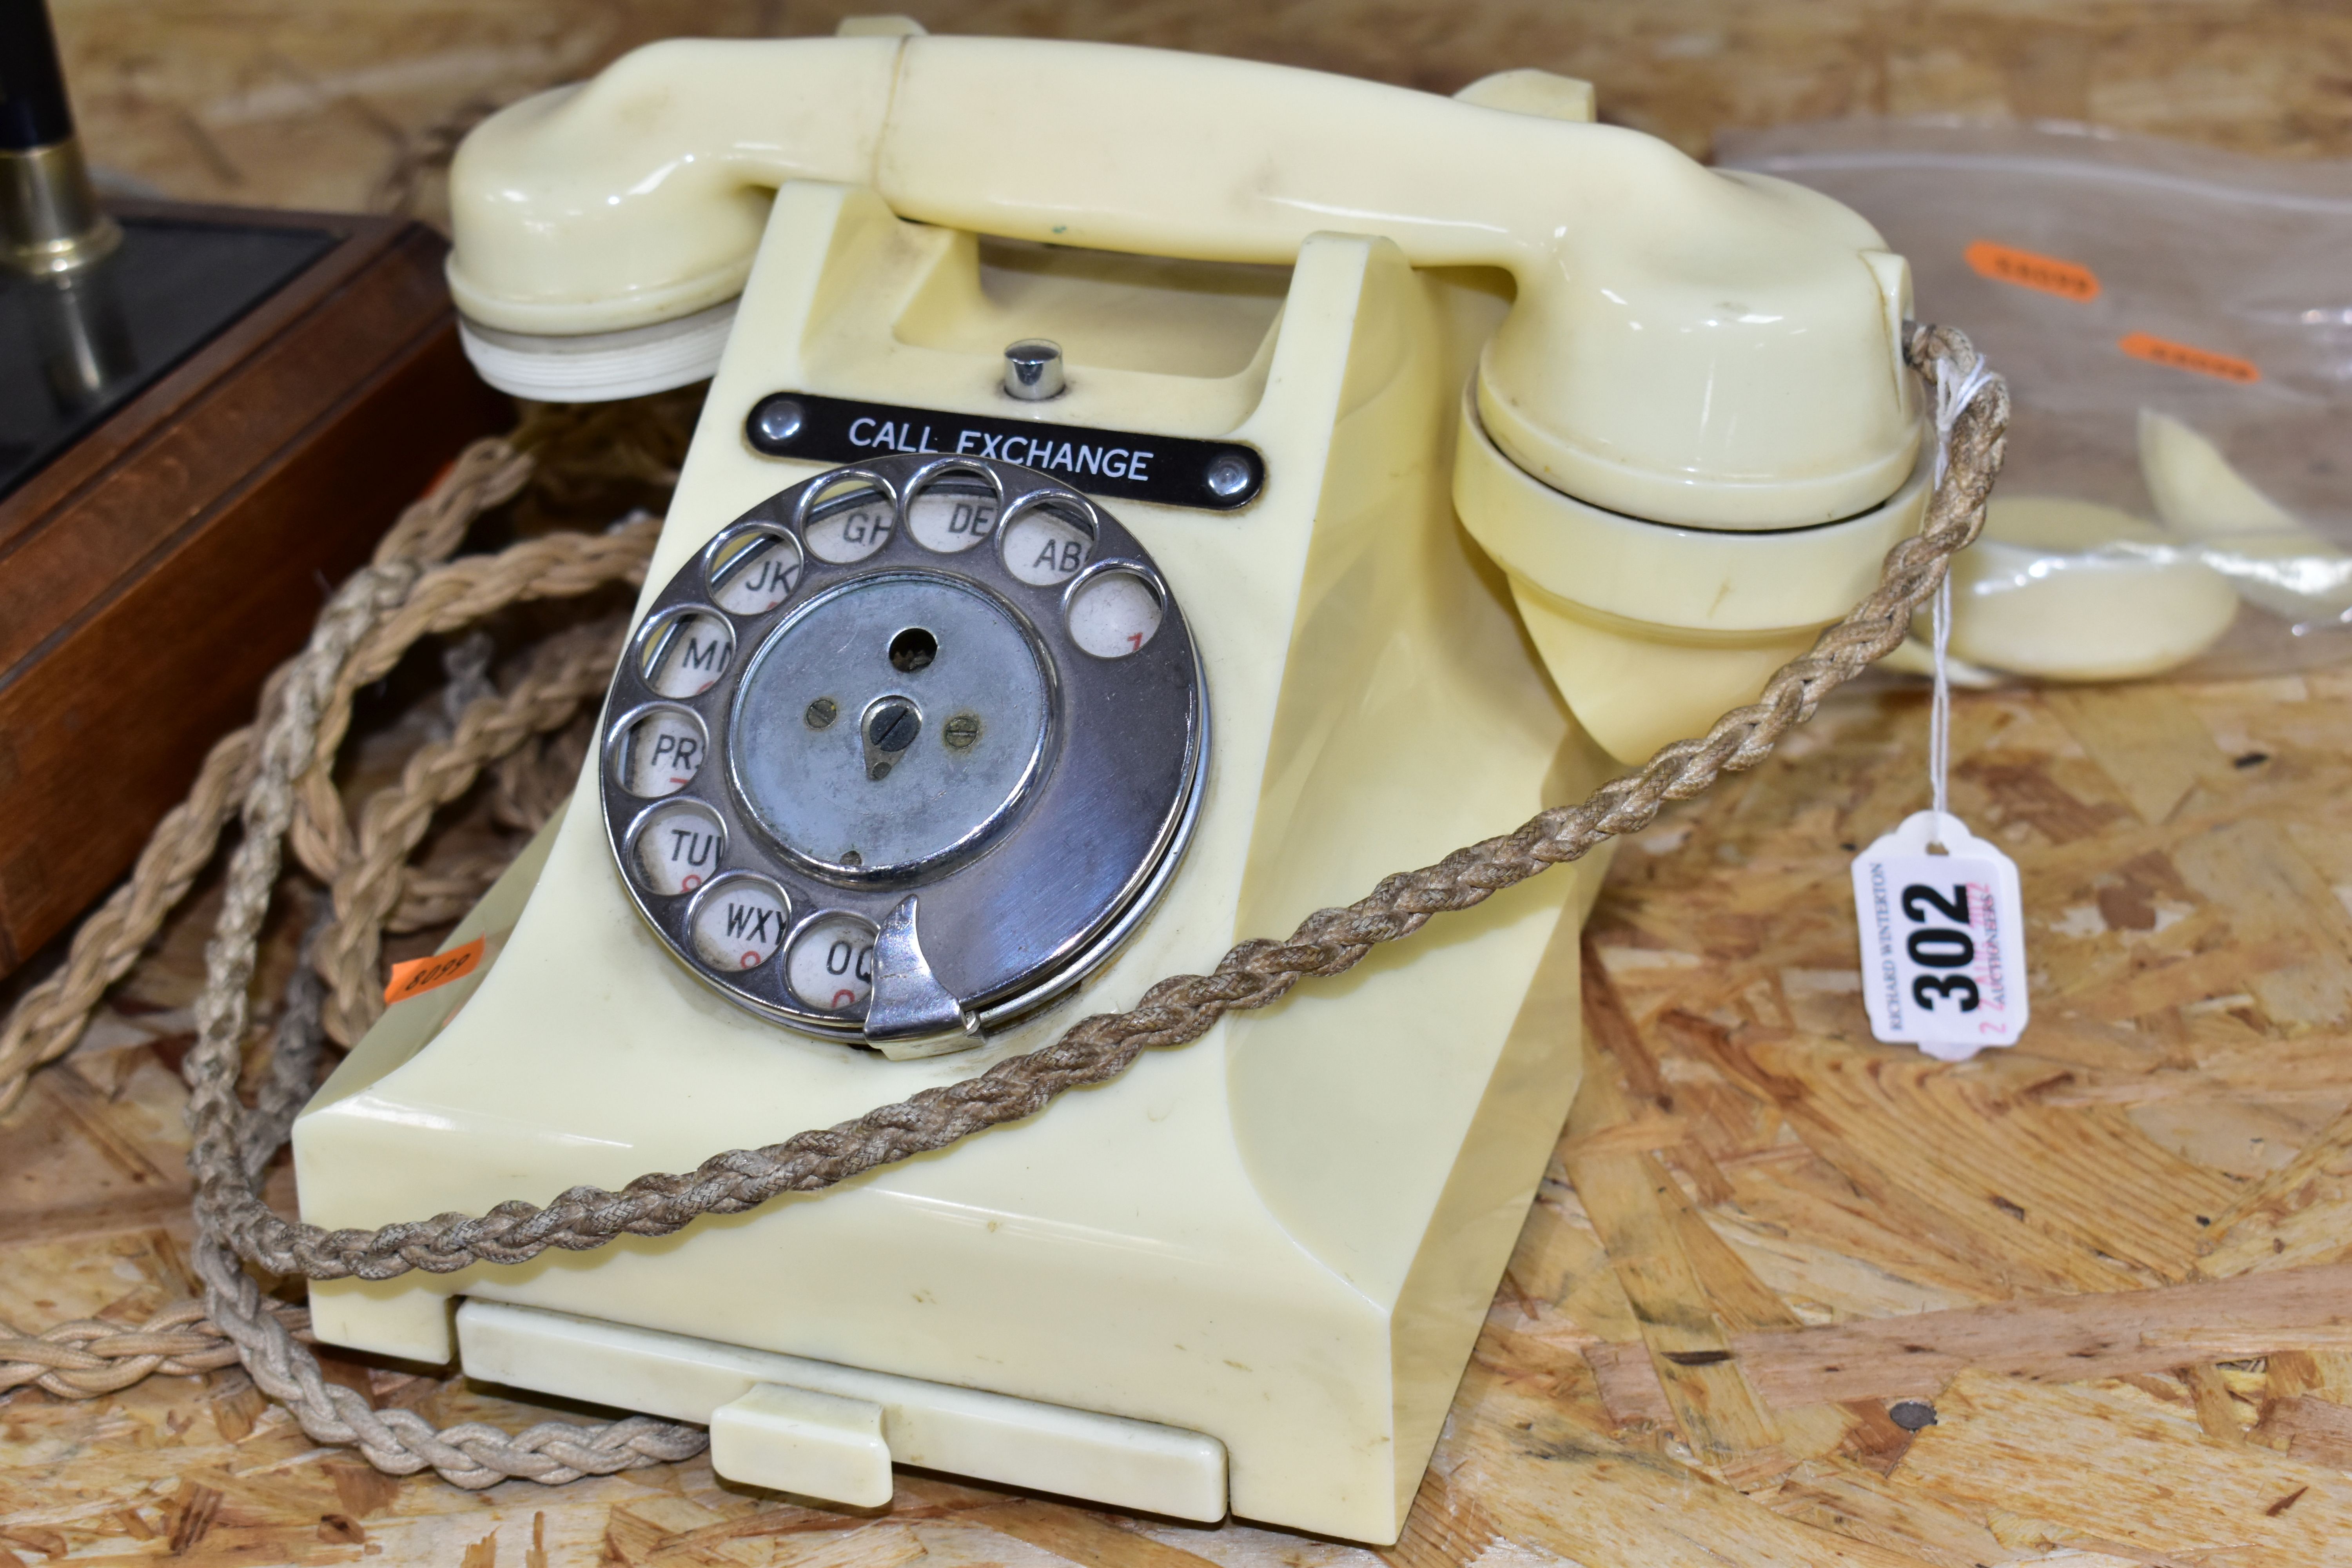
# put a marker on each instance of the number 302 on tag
(1943, 940)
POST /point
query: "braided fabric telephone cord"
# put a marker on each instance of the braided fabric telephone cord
(309, 700)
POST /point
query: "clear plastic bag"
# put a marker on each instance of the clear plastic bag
(2176, 326)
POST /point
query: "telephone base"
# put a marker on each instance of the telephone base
(1133, 1284)
(1283, 1236)
(1304, 323)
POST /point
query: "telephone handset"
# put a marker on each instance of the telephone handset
(1451, 452)
(904, 750)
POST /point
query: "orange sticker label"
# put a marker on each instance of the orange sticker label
(2181, 356)
(2007, 264)
(419, 975)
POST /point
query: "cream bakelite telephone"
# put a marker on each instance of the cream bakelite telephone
(1064, 582)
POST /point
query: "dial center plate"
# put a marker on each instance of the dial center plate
(891, 726)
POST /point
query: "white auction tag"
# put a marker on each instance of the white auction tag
(1943, 939)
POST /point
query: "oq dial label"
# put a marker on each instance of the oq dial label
(832, 964)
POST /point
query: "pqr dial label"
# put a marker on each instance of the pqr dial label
(660, 753)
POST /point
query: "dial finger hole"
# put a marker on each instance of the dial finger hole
(739, 922)
(1114, 613)
(1047, 546)
(952, 514)
(849, 522)
(659, 752)
(683, 654)
(754, 570)
(678, 846)
(831, 965)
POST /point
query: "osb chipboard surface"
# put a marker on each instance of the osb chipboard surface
(2114, 1257)
(2118, 1258)
(345, 104)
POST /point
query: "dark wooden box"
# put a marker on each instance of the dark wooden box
(153, 575)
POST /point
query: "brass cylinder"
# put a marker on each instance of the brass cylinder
(50, 224)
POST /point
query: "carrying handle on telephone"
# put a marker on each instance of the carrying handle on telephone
(1686, 346)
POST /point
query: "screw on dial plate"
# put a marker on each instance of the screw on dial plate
(1228, 477)
(891, 726)
(775, 423)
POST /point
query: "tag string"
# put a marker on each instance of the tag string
(1952, 398)
(1939, 711)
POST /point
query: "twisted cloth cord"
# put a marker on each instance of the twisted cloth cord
(49, 1017)
(1178, 1009)
(558, 565)
(567, 670)
(400, 1442)
(295, 1046)
(89, 1356)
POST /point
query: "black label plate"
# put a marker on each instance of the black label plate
(1168, 470)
